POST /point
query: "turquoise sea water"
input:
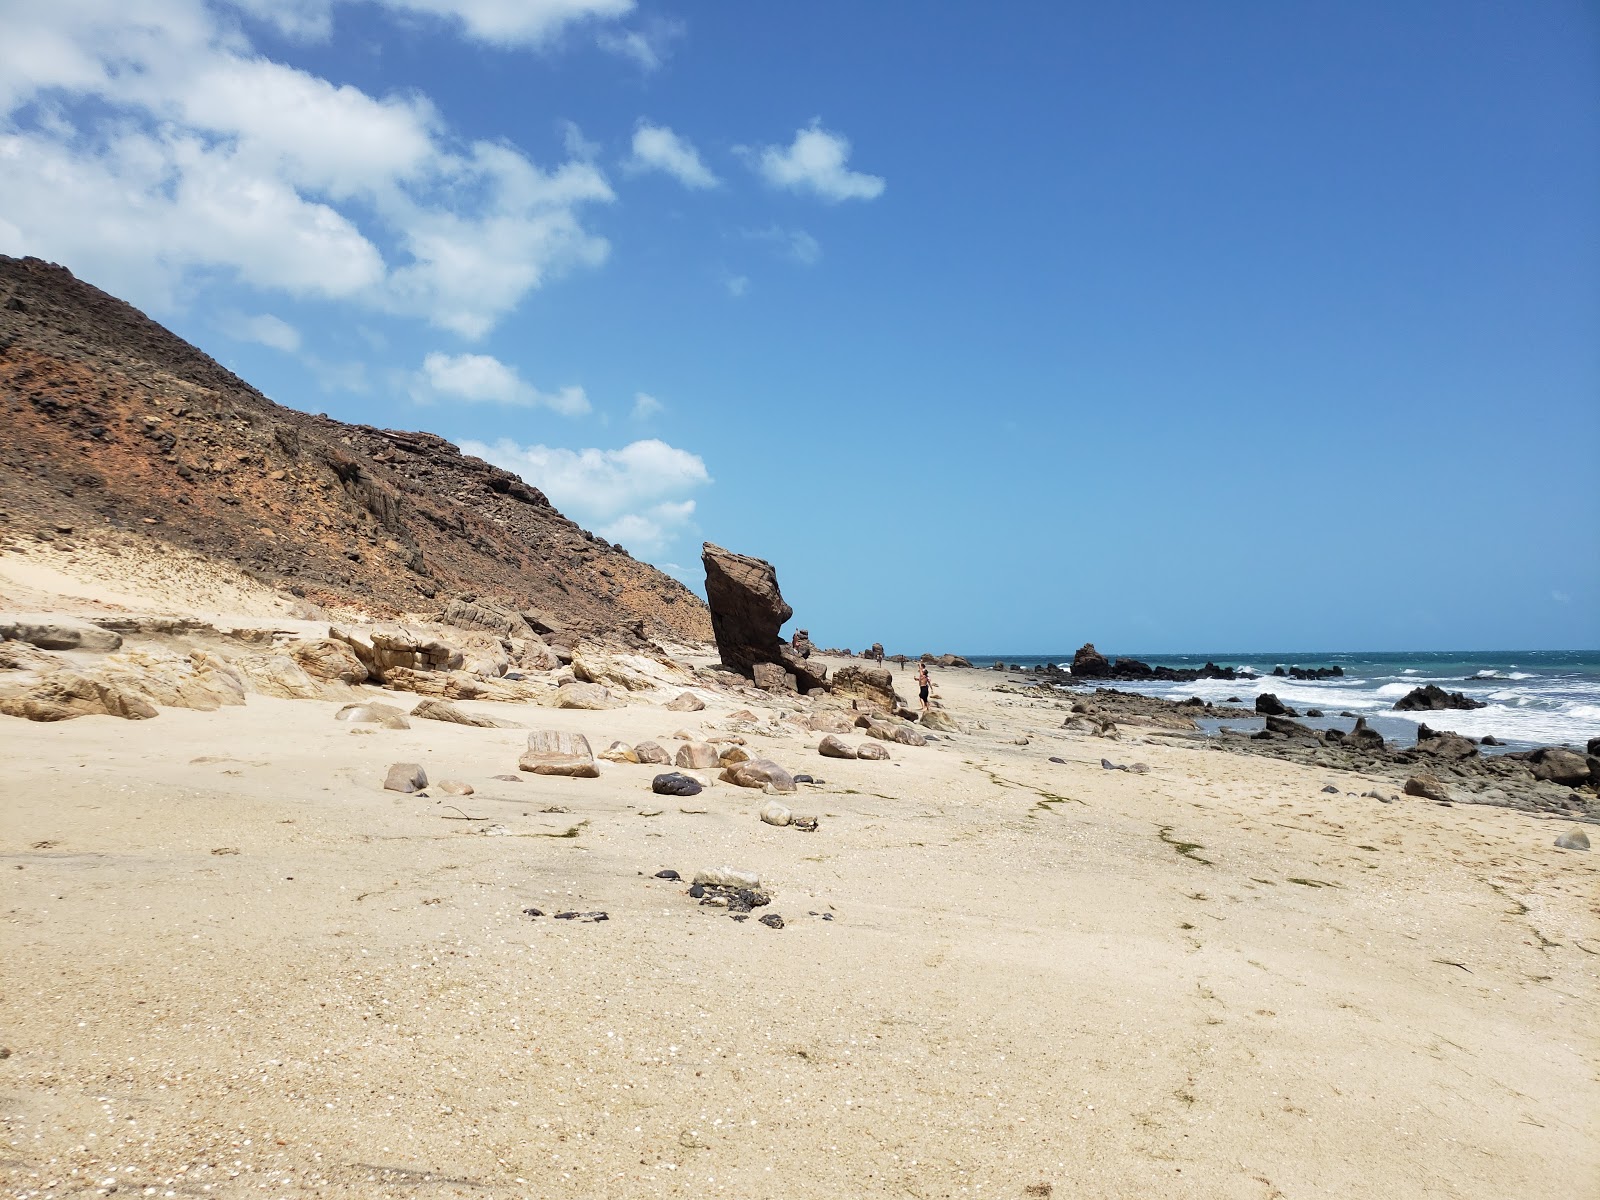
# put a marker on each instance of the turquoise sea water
(1534, 697)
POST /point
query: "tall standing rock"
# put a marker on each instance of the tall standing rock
(747, 610)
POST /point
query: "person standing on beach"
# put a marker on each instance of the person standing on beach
(923, 685)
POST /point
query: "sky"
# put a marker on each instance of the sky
(994, 328)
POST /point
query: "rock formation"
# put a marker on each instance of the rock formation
(747, 611)
(1434, 698)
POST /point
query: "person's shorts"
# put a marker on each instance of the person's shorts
(924, 692)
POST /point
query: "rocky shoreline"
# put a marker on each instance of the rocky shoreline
(1561, 780)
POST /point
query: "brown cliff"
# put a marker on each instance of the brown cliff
(112, 423)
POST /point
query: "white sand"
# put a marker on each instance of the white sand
(235, 966)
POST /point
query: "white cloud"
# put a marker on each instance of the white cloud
(737, 285)
(577, 146)
(795, 244)
(637, 495)
(657, 148)
(516, 22)
(815, 162)
(264, 329)
(150, 146)
(645, 406)
(484, 379)
(648, 47)
(308, 20)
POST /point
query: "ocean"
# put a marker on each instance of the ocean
(1534, 697)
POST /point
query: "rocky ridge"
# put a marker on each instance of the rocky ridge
(117, 428)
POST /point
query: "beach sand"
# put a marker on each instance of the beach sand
(234, 965)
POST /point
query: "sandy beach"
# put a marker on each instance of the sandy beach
(236, 965)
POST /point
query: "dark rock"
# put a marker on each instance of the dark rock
(1290, 728)
(747, 610)
(1089, 663)
(533, 912)
(1489, 739)
(1556, 765)
(804, 779)
(1363, 738)
(1107, 765)
(1054, 759)
(1313, 712)
(673, 783)
(772, 921)
(1594, 746)
(668, 875)
(1269, 705)
(1329, 788)
(696, 892)
(1432, 698)
(1441, 743)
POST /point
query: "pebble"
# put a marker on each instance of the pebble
(1054, 759)
(507, 778)
(804, 779)
(674, 783)
(586, 917)
(533, 912)
(1330, 789)
(772, 921)
(668, 875)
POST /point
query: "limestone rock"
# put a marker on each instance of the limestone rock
(834, 747)
(686, 702)
(406, 777)
(329, 660)
(872, 684)
(61, 635)
(587, 696)
(619, 752)
(700, 756)
(1429, 787)
(939, 720)
(729, 755)
(1573, 839)
(487, 616)
(903, 734)
(556, 752)
(442, 710)
(455, 787)
(277, 675)
(829, 722)
(773, 813)
(64, 695)
(759, 772)
(651, 752)
(459, 685)
(373, 712)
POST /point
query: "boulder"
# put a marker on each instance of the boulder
(63, 695)
(686, 702)
(829, 722)
(872, 684)
(1089, 663)
(773, 813)
(277, 675)
(729, 755)
(1556, 765)
(1429, 787)
(200, 681)
(873, 750)
(619, 752)
(770, 677)
(834, 747)
(903, 734)
(386, 715)
(443, 710)
(1433, 697)
(590, 664)
(61, 635)
(699, 756)
(1291, 728)
(1442, 743)
(1573, 839)
(758, 773)
(587, 696)
(1362, 737)
(487, 616)
(747, 611)
(1268, 704)
(405, 777)
(556, 752)
(674, 784)
(329, 660)
(651, 752)
(943, 722)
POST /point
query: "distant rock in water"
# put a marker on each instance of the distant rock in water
(1433, 698)
(1089, 663)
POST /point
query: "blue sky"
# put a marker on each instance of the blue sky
(1163, 325)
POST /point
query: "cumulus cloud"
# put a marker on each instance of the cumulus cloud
(815, 162)
(511, 23)
(637, 495)
(264, 329)
(657, 148)
(484, 379)
(150, 145)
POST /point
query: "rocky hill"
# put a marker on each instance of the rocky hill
(113, 423)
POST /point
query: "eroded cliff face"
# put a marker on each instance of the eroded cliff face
(113, 423)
